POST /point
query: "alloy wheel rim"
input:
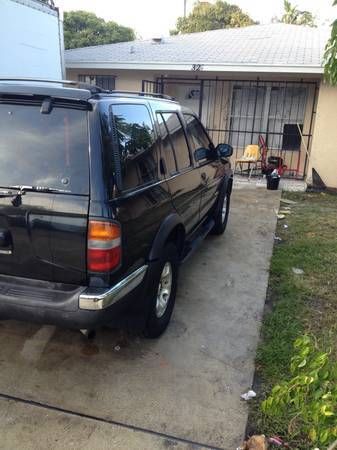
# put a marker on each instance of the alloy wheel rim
(164, 290)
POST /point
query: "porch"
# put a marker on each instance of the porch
(242, 112)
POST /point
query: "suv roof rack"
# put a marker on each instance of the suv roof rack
(90, 87)
(45, 80)
(142, 93)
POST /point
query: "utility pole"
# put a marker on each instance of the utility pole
(185, 1)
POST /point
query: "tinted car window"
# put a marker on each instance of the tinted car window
(178, 138)
(48, 150)
(196, 133)
(137, 145)
(167, 145)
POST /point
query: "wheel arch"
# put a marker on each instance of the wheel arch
(226, 184)
(230, 185)
(171, 230)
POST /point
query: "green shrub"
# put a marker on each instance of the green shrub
(309, 398)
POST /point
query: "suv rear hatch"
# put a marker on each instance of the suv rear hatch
(44, 188)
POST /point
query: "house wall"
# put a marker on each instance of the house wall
(216, 100)
(324, 145)
(126, 80)
(132, 79)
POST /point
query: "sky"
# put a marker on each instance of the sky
(154, 18)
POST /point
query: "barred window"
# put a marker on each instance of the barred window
(102, 81)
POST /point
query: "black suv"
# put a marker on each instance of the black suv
(102, 196)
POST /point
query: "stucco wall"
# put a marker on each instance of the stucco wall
(324, 145)
(126, 80)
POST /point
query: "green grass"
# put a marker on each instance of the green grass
(297, 304)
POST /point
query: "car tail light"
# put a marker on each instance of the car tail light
(104, 246)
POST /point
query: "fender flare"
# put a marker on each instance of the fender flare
(227, 186)
(166, 227)
(230, 185)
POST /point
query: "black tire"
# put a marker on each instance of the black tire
(220, 220)
(155, 324)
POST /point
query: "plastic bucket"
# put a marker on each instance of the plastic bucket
(273, 183)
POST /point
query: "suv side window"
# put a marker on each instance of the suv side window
(137, 144)
(197, 135)
(178, 140)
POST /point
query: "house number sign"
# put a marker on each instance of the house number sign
(197, 67)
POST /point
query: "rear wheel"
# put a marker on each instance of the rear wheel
(221, 213)
(162, 288)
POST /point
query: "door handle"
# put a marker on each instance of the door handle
(203, 177)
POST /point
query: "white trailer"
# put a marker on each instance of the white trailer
(31, 40)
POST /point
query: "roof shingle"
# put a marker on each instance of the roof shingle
(266, 45)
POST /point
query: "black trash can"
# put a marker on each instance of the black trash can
(273, 182)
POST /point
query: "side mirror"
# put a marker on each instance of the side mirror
(224, 150)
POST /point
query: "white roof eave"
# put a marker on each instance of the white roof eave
(196, 67)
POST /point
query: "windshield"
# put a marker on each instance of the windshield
(49, 150)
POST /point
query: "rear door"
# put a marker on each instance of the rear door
(143, 201)
(182, 177)
(43, 229)
(211, 169)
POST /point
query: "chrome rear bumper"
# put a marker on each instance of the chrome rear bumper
(97, 299)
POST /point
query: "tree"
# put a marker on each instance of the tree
(82, 28)
(330, 56)
(294, 16)
(206, 16)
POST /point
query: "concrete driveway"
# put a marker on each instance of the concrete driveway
(181, 391)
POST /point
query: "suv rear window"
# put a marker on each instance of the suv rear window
(48, 150)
